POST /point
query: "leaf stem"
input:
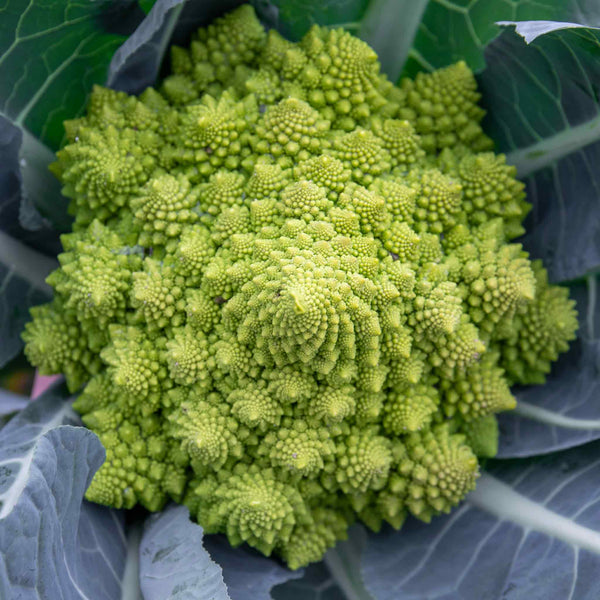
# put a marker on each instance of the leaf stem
(591, 312)
(551, 149)
(418, 57)
(28, 264)
(350, 26)
(39, 185)
(389, 27)
(130, 584)
(548, 417)
(344, 567)
(501, 500)
(163, 17)
(10, 402)
(168, 32)
(11, 495)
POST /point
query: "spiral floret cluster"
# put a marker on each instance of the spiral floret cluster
(290, 297)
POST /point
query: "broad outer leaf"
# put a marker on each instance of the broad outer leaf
(43, 208)
(10, 179)
(173, 561)
(565, 411)
(530, 30)
(543, 111)
(248, 574)
(10, 402)
(453, 30)
(51, 52)
(146, 5)
(529, 530)
(22, 269)
(135, 65)
(22, 274)
(293, 18)
(27, 187)
(22, 284)
(343, 561)
(22, 177)
(52, 545)
(316, 584)
(100, 555)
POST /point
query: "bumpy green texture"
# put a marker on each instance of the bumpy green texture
(291, 297)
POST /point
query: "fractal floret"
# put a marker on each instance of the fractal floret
(291, 298)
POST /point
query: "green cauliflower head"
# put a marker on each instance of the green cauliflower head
(290, 295)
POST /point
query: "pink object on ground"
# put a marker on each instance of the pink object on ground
(41, 383)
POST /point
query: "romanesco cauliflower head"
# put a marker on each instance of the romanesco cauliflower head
(291, 296)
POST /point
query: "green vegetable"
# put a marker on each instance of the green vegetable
(291, 292)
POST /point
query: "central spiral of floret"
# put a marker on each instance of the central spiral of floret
(303, 319)
(290, 292)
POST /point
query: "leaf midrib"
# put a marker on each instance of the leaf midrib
(501, 500)
(11, 496)
(550, 150)
(554, 419)
(30, 265)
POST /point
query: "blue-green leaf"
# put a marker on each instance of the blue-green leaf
(10, 402)
(51, 52)
(43, 208)
(317, 583)
(248, 574)
(22, 284)
(530, 530)
(530, 30)
(178, 562)
(25, 183)
(173, 561)
(544, 112)
(23, 269)
(293, 18)
(52, 545)
(453, 30)
(146, 5)
(135, 65)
